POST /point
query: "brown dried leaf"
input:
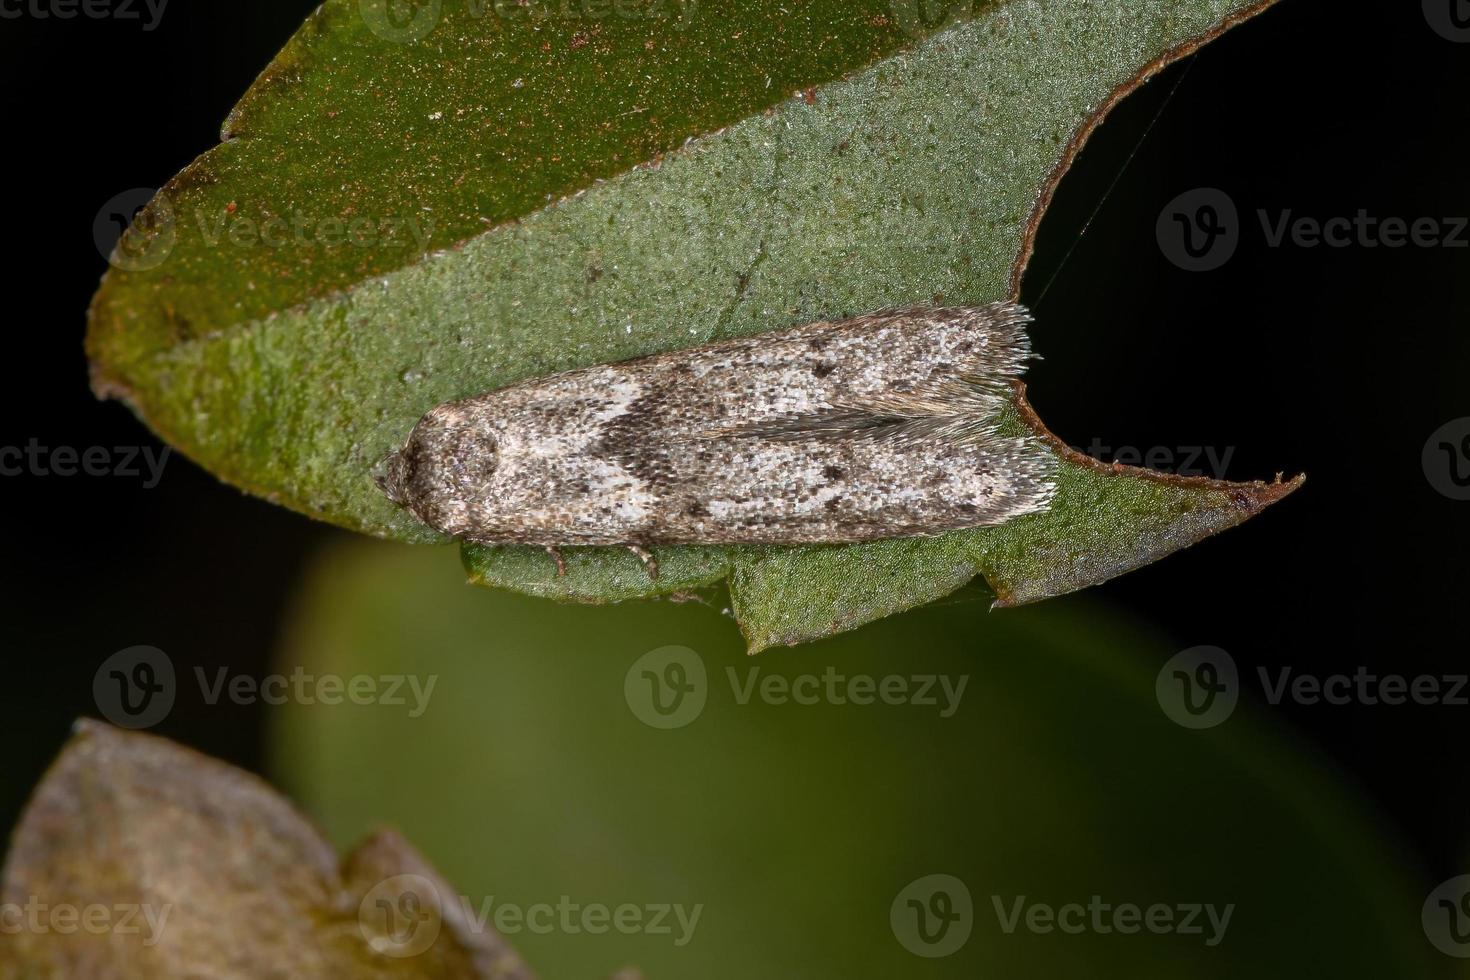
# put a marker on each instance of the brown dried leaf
(138, 858)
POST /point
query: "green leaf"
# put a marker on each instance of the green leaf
(535, 192)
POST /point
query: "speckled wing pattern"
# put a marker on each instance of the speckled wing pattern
(879, 426)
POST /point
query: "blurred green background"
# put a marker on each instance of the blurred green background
(529, 776)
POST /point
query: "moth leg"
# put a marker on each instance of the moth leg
(561, 563)
(649, 562)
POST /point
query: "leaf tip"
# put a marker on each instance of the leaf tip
(1257, 496)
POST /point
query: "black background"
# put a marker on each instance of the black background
(1337, 362)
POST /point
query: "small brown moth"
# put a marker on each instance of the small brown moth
(881, 426)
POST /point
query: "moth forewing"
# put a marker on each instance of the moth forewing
(874, 427)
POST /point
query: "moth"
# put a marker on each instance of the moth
(879, 426)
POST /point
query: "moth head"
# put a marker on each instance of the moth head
(392, 474)
(447, 464)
